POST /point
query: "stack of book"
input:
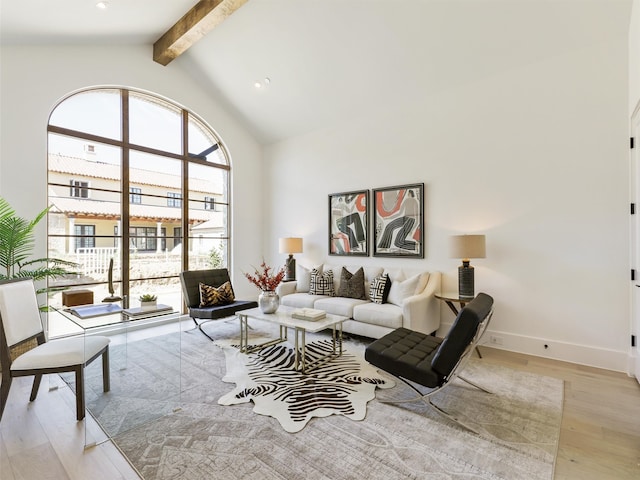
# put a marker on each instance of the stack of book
(308, 314)
(140, 311)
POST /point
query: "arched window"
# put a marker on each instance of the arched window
(135, 178)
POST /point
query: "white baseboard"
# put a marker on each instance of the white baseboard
(615, 360)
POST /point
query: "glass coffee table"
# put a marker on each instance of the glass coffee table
(282, 317)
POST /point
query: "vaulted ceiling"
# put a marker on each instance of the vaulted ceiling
(330, 61)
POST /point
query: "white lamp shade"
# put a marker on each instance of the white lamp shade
(467, 246)
(290, 245)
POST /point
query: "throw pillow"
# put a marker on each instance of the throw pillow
(352, 284)
(401, 290)
(321, 283)
(303, 277)
(380, 287)
(211, 296)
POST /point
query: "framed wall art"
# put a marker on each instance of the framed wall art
(399, 221)
(349, 223)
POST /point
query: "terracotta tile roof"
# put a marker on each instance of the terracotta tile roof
(97, 209)
(97, 169)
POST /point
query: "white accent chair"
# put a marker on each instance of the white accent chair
(20, 322)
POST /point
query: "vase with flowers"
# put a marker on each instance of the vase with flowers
(267, 279)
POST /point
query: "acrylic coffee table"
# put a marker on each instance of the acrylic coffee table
(282, 317)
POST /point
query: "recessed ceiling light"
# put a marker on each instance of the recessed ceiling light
(102, 5)
(262, 84)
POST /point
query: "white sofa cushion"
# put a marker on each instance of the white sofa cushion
(338, 305)
(300, 300)
(385, 315)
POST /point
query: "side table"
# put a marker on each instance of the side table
(451, 299)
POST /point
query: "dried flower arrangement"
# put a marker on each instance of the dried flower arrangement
(265, 279)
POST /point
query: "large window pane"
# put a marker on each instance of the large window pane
(209, 182)
(78, 112)
(207, 252)
(154, 123)
(203, 145)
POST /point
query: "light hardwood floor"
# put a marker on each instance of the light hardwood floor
(599, 439)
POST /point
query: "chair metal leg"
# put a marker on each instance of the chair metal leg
(203, 322)
(106, 379)
(4, 390)
(475, 385)
(36, 386)
(80, 392)
(426, 398)
(449, 416)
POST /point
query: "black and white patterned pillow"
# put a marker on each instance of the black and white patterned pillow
(321, 283)
(380, 287)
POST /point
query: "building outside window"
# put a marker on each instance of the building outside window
(85, 236)
(209, 203)
(146, 238)
(79, 189)
(174, 199)
(134, 195)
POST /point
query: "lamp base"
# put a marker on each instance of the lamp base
(290, 269)
(465, 280)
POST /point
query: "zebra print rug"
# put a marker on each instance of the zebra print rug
(342, 386)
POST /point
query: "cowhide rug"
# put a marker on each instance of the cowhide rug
(341, 386)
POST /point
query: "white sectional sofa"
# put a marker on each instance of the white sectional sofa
(411, 302)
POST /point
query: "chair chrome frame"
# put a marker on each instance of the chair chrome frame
(455, 373)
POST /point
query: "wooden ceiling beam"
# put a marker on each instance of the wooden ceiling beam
(195, 24)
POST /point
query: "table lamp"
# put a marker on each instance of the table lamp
(290, 245)
(467, 247)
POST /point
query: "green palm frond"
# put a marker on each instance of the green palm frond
(17, 242)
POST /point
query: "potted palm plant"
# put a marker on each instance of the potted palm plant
(17, 241)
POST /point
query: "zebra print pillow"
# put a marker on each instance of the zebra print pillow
(211, 296)
(380, 287)
(321, 283)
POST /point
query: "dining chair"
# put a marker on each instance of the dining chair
(20, 322)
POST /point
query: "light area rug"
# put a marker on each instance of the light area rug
(201, 439)
(341, 386)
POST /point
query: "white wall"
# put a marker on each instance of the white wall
(535, 157)
(634, 57)
(34, 79)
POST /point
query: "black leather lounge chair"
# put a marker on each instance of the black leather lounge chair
(431, 361)
(191, 280)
